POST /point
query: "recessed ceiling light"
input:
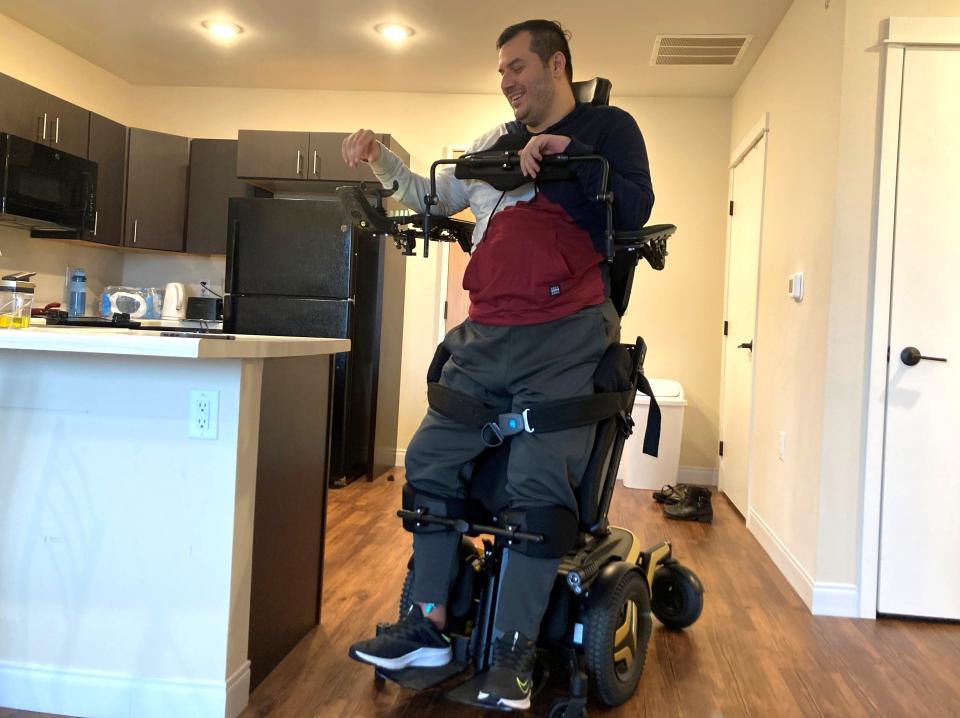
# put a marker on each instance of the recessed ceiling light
(394, 31)
(222, 29)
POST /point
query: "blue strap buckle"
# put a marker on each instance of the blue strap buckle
(511, 424)
(506, 425)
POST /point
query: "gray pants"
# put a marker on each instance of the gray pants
(512, 367)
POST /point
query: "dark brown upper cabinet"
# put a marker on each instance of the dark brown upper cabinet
(213, 181)
(264, 154)
(157, 166)
(18, 103)
(108, 148)
(268, 155)
(36, 115)
(67, 126)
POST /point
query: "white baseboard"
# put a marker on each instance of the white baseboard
(789, 566)
(698, 475)
(112, 695)
(836, 599)
(401, 458)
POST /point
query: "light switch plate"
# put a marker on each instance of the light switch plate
(795, 286)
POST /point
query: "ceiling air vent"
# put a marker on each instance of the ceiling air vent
(699, 50)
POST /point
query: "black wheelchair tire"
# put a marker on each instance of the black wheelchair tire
(611, 682)
(677, 596)
(406, 594)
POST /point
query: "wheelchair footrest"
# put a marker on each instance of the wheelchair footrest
(419, 679)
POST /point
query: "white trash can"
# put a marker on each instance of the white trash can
(638, 470)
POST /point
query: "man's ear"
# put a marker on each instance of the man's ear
(558, 64)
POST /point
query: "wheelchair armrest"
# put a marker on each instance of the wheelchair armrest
(445, 229)
(649, 243)
(365, 214)
(646, 235)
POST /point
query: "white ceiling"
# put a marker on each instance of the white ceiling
(330, 44)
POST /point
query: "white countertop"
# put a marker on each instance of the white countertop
(154, 344)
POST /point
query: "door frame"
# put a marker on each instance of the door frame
(900, 33)
(449, 152)
(757, 134)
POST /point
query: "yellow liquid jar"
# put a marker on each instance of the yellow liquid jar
(16, 301)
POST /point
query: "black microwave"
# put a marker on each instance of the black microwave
(45, 188)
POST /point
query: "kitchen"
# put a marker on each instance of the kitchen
(809, 390)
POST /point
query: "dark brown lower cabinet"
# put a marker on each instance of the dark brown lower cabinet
(157, 168)
(289, 508)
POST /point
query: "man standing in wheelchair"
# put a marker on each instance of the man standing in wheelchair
(540, 320)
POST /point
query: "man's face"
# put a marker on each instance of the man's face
(525, 81)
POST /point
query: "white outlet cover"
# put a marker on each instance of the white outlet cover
(203, 415)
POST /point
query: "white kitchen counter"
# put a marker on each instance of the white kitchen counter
(152, 343)
(128, 569)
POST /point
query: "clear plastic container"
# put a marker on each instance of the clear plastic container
(76, 292)
(16, 301)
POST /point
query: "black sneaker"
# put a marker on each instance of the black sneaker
(509, 682)
(413, 642)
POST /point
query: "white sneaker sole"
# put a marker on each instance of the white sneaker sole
(420, 658)
(517, 705)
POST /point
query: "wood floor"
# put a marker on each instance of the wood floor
(756, 650)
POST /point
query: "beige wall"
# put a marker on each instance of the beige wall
(851, 308)
(796, 80)
(678, 311)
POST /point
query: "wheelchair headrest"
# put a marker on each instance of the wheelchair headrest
(594, 92)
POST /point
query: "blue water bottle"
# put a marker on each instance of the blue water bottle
(77, 293)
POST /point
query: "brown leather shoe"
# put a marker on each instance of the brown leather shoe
(695, 506)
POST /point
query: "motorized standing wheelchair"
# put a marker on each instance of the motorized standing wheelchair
(597, 623)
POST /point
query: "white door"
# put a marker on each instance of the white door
(920, 530)
(740, 321)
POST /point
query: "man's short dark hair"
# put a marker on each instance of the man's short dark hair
(546, 39)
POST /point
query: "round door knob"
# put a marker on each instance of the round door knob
(911, 356)
(745, 345)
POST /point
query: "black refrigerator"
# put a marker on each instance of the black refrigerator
(302, 267)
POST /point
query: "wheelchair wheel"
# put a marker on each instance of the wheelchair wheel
(677, 596)
(616, 633)
(406, 594)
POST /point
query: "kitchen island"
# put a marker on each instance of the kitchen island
(143, 571)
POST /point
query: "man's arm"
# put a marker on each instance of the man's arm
(362, 146)
(626, 154)
(630, 181)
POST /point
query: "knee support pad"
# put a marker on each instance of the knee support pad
(443, 507)
(558, 525)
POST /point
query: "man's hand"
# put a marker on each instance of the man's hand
(537, 148)
(361, 146)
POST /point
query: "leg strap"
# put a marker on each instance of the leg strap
(449, 508)
(558, 524)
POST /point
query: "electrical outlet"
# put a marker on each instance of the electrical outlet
(204, 411)
(782, 448)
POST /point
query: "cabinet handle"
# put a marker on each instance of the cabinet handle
(315, 162)
(135, 222)
(299, 158)
(42, 130)
(56, 132)
(96, 221)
